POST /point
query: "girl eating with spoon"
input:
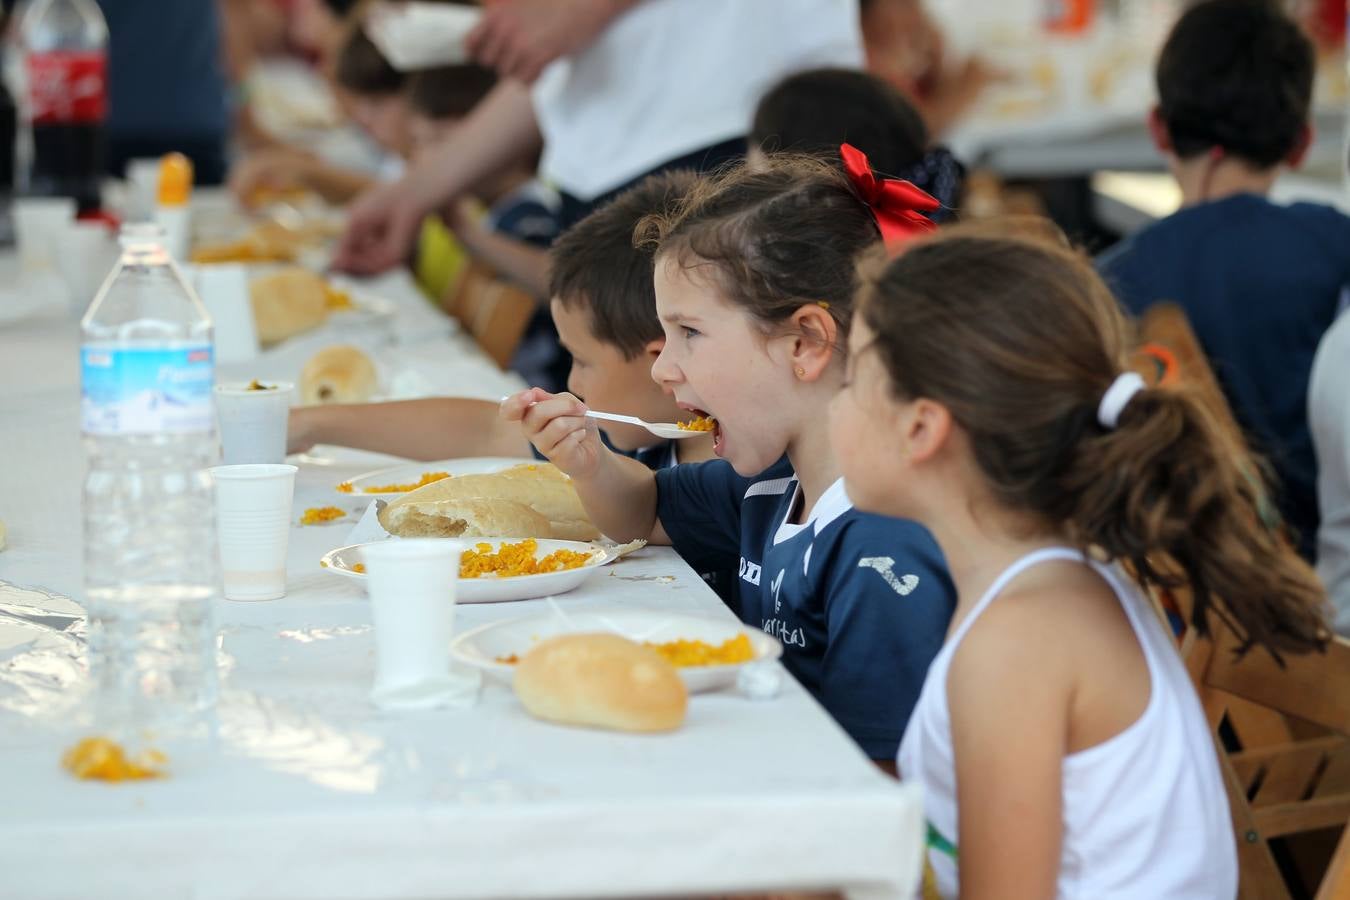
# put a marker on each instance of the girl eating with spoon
(754, 285)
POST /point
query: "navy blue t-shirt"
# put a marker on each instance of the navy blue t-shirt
(166, 76)
(861, 603)
(1260, 284)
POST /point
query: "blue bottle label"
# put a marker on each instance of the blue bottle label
(133, 391)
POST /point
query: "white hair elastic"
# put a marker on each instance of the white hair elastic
(1117, 397)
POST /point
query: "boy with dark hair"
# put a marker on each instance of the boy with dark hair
(1259, 282)
(604, 305)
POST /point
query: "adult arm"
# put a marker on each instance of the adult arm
(519, 38)
(382, 225)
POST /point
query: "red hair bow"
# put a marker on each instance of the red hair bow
(897, 205)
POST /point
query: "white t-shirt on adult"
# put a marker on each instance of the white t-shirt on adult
(1329, 422)
(669, 77)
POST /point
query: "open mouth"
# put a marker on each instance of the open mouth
(706, 421)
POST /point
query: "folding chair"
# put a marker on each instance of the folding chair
(1290, 773)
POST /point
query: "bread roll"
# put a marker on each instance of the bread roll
(286, 303)
(601, 681)
(338, 374)
(539, 487)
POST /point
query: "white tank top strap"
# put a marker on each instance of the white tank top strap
(1034, 558)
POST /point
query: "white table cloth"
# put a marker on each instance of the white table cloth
(314, 793)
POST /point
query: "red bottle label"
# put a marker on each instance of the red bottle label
(68, 87)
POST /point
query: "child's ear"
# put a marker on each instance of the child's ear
(1300, 150)
(927, 430)
(654, 347)
(816, 337)
(1157, 130)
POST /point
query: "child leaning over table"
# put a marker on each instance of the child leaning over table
(1260, 282)
(754, 287)
(1058, 739)
(605, 309)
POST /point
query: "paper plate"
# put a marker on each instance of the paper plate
(490, 589)
(484, 646)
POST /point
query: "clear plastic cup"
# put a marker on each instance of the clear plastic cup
(412, 601)
(253, 421)
(88, 252)
(142, 176)
(39, 225)
(253, 524)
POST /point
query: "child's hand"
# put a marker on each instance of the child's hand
(556, 425)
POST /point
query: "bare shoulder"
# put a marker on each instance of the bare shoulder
(1041, 626)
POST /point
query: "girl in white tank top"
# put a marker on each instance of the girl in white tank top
(1159, 769)
(1058, 739)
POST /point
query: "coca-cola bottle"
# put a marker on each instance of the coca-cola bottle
(65, 49)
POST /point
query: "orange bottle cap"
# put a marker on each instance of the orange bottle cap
(175, 180)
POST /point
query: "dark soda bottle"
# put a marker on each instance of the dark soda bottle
(65, 48)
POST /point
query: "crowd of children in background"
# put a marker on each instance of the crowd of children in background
(933, 476)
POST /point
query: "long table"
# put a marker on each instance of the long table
(312, 792)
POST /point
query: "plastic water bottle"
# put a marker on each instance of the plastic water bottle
(149, 514)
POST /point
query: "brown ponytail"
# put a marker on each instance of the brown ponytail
(1019, 340)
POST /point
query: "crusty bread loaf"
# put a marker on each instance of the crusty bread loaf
(540, 487)
(601, 681)
(286, 303)
(474, 517)
(338, 374)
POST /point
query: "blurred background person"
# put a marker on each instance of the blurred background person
(624, 88)
(167, 84)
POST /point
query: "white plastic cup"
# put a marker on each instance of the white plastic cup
(87, 252)
(412, 602)
(142, 188)
(253, 522)
(223, 289)
(253, 423)
(39, 225)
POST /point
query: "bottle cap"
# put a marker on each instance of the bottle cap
(175, 180)
(135, 234)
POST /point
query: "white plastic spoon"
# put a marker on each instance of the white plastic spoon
(668, 430)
